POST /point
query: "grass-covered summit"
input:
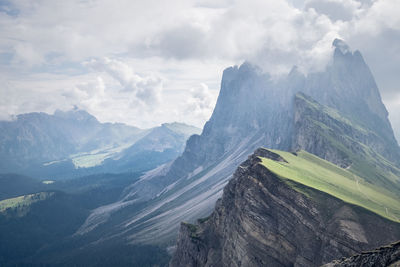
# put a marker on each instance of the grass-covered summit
(311, 171)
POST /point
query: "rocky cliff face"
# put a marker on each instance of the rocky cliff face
(261, 221)
(309, 113)
(381, 257)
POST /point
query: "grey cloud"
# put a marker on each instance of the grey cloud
(335, 9)
(366, 3)
(184, 41)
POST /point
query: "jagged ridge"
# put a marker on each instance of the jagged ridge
(262, 221)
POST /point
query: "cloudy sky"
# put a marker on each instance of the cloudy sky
(154, 61)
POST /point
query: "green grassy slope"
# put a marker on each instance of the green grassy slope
(22, 203)
(338, 135)
(316, 173)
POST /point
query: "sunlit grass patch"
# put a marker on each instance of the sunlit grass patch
(324, 176)
(22, 204)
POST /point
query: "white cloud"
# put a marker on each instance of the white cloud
(130, 45)
(25, 54)
(231, 30)
(146, 88)
(271, 30)
(201, 101)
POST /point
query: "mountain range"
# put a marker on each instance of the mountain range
(74, 143)
(57, 168)
(318, 176)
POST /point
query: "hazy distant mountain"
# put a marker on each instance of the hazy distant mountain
(162, 144)
(169, 136)
(74, 143)
(39, 144)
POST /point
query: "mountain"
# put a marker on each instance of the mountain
(38, 219)
(384, 256)
(348, 86)
(74, 143)
(162, 144)
(254, 110)
(289, 209)
(295, 208)
(337, 207)
(39, 144)
(303, 114)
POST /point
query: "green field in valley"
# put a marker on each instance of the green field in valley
(314, 172)
(22, 203)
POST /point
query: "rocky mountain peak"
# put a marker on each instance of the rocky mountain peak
(341, 46)
(344, 57)
(295, 72)
(32, 116)
(76, 114)
(248, 67)
(349, 86)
